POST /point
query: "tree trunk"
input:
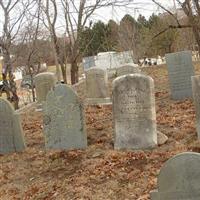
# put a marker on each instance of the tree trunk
(10, 86)
(197, 36)
(74, 72)
(64, 74)
(32, 82)
(6, 87)
(15, 98)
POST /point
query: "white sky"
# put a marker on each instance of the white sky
(144, 7)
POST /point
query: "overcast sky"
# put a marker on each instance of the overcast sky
(144, 7)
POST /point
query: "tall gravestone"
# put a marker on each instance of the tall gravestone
(129, 68)
(11, 134)
(97, 86)
(134, 112)
(196, 97)
(44, 82)
(180, 70)
(64, 126)
(179, 178)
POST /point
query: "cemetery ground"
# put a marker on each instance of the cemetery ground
(99, 172)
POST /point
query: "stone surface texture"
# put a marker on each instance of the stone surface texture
(196, 97)
(11, 134)
(129, 68)
(96, 83)
(64, 124)
(44, 82)
(179, 178)
(180, 70)
(134, 112)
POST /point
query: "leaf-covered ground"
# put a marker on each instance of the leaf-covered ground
(99, 172)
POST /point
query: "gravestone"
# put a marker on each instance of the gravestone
(196, 97)
(44, 82)
(64, 126)
(129, 68)
(11, 134)
(180, 70)
(179, 178)
(97, 86)
(134, 112)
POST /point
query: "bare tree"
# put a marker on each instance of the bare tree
(11, 27)
(191, 9)
(51, 14)
(31, 34)
(77, 16)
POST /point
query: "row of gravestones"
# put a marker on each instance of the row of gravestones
(182, 80)
(178, 179)
(97, 83)
(135, 127)
(133, 113)
(133, 109)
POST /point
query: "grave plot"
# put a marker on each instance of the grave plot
(99, 171)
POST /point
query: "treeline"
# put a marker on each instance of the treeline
(145, 37)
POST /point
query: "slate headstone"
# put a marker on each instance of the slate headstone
(134, 112)
(11, 134)
(64, 125)
(44, 82)
(97, 86)
(180, 70)
(196, 97)
(179, 178)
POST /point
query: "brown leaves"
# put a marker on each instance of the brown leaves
(99, 172)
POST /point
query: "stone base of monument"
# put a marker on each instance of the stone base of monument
(98, 101)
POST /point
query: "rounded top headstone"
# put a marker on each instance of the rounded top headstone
(6, 107)
(129, 64)
(128, 68)
(95, 69)
(180, 173)
(134, 77)
(63, 90)
(44, 75)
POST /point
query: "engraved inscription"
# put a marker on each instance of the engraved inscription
(180, 70)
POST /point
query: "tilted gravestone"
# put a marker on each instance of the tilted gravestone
(129, 68)
(134, 112)
(11, 134)
(180, 70)
(64, 126)
(97, 86)
(179, 178)
(196, 97)
(44, 82)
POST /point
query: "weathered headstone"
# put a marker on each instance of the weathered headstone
(97, 86)
(44, 82)
(64, 126)
(129, 68)
(196, 97)
(11, 134)
(134, 112)
(180, 70)
(179, 178)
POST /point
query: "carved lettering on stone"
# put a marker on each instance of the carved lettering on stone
(134, 112)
